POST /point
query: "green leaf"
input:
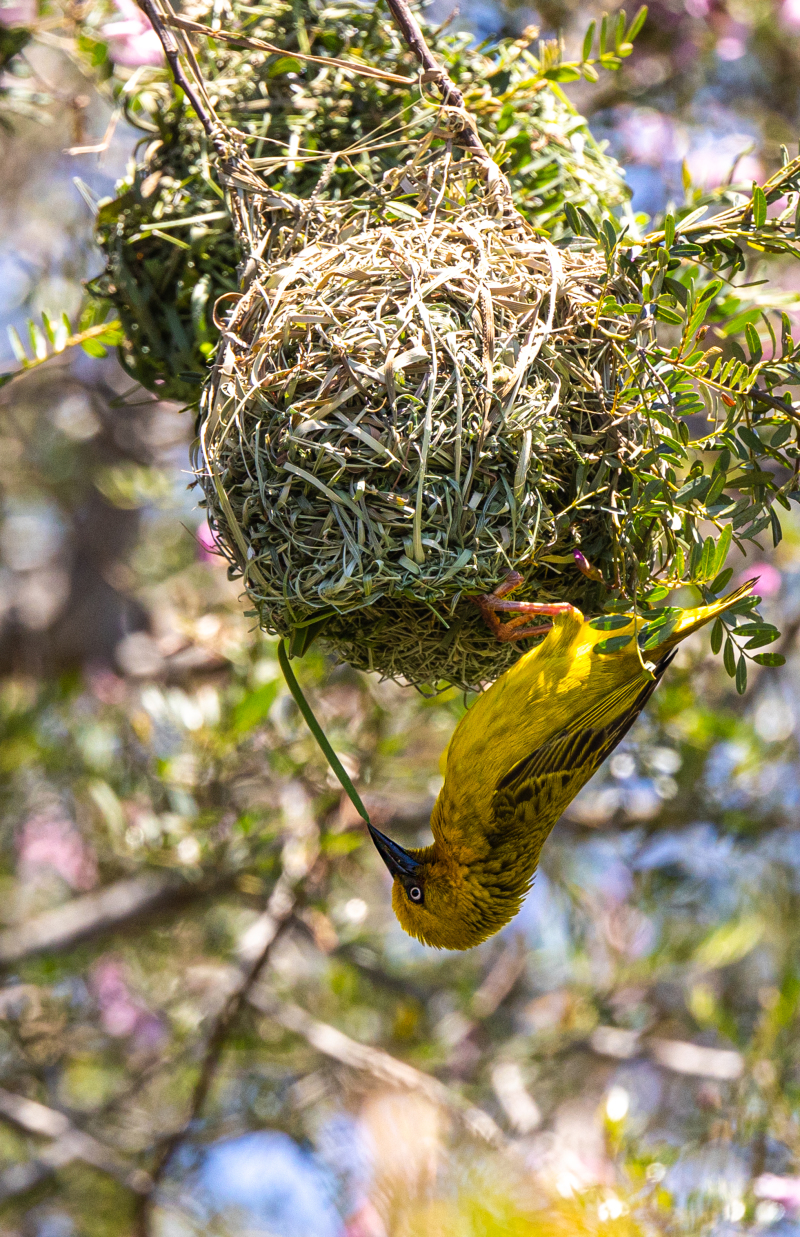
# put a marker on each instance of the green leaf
(603, 33)
(588, 40)
(722, 580)
(759, 206)
(573, 219)
(717, 633)
(729, 657)
(610, 622)
(715, 489)
(753, 342)
(285, 64)
(636, 24)
(741, 676)
(709, 291)
(706, 566)
(749, 480)
(92, 348)
(744, 605)
(721, 552)
(766, 637)
(751, 439)
(402, 210)
(653, 634)
(777, 531)
(17, 346)
(723, 461)
(589, 225)
(609, 234)
(255, 707)
(665, 314)
(612, 645)
(563, 73)
(669, 230)
(770, 659)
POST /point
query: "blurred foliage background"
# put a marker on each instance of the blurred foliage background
(210, 1022)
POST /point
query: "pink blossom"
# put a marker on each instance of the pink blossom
(50, 840)
(649, 136)
(121, 1013)
(585, 567)
(697, 8)
(711, 165)
(731, 48)
(784, 1190)
(768, 578)
(106, 686)
(18, 14)
(133, 40)
(365, 1221)
(790, 12)
(208, 550)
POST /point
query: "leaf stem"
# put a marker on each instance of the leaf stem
(317, 731)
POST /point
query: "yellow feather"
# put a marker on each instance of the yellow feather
(517, 759)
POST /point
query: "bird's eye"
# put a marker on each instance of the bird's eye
(415, 893)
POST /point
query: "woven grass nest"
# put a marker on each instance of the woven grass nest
(169, 248)
(402, 411)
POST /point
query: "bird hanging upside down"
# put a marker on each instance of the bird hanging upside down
(519, 757)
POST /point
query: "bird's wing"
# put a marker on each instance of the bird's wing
(535, 791)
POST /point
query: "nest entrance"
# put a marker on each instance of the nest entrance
(407, 407)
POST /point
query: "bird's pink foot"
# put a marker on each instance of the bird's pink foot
(514, 629)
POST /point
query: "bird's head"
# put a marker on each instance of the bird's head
(442, 902)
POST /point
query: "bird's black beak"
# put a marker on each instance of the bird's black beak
(398, 861)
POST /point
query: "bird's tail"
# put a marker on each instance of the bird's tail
(682, 625)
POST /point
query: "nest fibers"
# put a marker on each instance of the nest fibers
(400, 414)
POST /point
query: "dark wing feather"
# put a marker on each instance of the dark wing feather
(537, 789)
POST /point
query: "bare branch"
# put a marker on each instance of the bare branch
(502, 977)
(94, 914)
(379, 1064)
(172, 53)
(361, 70)
(452, 98)
(68, 1143)
(254, 952)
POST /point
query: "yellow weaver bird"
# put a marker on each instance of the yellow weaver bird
(519, 757)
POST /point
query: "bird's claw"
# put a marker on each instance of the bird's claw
(513, 629)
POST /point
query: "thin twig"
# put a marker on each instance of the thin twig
(95, 914)
(266, 932)
(68, 1143)
(378, 1064)
(452, 98)
(243, 40)
(172, 53)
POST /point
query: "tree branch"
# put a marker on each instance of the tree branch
(379, 1064)
(68, 1143)
(243, 40)
(172, 53)
(452, 98)
(254, 953)
(95, 914)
